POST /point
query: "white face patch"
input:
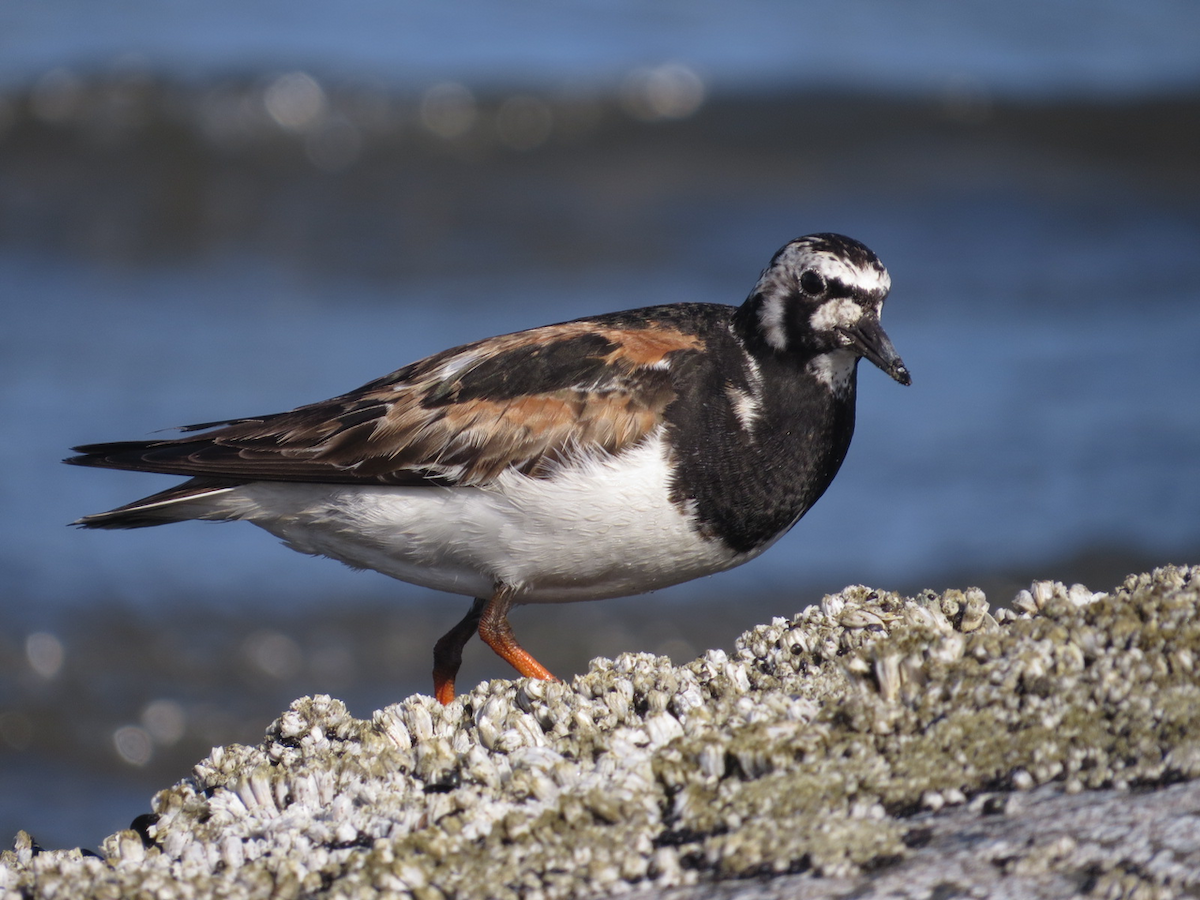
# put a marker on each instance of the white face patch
(770, 319)
(835, 314)
(835, 369)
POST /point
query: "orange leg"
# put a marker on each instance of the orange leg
(490, 617)
(498, 634)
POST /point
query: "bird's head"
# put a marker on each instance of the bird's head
(821, 297)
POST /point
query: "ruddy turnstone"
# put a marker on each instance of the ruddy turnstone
(595, 458)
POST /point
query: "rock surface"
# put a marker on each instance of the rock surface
(873, 745)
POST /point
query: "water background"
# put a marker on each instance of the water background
(212, 210)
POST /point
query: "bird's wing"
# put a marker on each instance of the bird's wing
(525, 402)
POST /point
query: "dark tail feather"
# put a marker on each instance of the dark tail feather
(177, 504)
(130, 455)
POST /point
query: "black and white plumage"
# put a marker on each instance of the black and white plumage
(595, 458)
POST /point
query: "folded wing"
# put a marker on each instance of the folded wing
(522, 402)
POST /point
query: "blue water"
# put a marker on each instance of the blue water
(1027, 47)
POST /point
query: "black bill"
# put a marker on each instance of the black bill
(871, 341)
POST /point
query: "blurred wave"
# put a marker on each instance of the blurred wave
(388, 185)
(1021, 48)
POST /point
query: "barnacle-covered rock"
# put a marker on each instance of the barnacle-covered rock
(814, 747)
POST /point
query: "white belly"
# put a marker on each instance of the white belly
(601, 529)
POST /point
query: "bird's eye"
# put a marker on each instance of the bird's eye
(812, 283)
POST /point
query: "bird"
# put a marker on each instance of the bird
(601, 457)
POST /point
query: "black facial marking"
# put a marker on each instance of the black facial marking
(839, 288)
